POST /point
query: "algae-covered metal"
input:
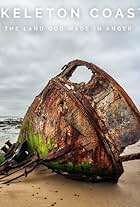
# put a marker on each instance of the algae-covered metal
(78, 129)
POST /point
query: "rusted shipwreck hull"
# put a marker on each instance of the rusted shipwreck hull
(80, 130)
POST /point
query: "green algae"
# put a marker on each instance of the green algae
(35, 140)
(80, 168)
(37, 143)
(2, 158)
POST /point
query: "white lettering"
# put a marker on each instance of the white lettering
(16, 13)
(119, 14)
(50, 11)
(107, 13)
(131, 13)
(62, 13)
(4, 13)
(75, 13)
(26, 14)
(94, 13)
(38, 12)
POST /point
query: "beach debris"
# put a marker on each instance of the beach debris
(78, 130)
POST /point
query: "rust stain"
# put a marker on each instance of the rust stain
(89, 122)
(98, 117)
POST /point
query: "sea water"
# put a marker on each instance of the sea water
(9, 129)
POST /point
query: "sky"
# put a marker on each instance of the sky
(28, 60)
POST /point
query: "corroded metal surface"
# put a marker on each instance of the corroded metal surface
(79, 130)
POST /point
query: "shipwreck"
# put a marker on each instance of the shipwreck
(78, 130)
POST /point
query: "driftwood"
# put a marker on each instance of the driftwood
(77, 130)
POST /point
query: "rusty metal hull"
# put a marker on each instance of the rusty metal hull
(83, 127)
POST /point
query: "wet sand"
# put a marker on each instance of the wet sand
(44, 189)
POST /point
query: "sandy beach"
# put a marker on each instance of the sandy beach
(44, 188)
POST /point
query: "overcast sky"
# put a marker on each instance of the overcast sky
(29, 59)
